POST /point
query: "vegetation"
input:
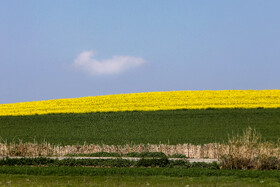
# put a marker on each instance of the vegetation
(247, 151)
(244, 151)
(148, 126)
(97, 154)
(149, 101)
(136, 171)
(241, 152)
(159, 162)
(146, 154)
(177, 156)
(130, 154)
(134, 181)
(213, 150)
(154, 127)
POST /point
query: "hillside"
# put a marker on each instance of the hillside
(177, 117)
(150, 101)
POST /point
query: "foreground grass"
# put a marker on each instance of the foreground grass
(128, 171)
(119, 128)
(31, 180)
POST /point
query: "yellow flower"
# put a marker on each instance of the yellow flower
(149, 101)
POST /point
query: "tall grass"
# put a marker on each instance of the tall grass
(247, 151)
(46, 149)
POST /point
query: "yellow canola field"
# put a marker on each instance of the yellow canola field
(150, 101)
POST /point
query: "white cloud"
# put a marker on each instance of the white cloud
(86, 62)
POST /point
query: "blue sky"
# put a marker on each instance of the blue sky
(67, 48)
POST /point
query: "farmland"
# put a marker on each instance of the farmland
(77, 176)
(157, 122)
(140, 93)
(30, 180)
(150, 101)
(119, 128)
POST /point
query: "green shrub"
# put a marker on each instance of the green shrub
(177, 156)
(162, 162)
(153, 155)
(132, 154)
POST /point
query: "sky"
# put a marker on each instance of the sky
(70, 48)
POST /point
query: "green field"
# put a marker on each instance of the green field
(48, 172)
(57, 176)
(130, 171)
(118, 128)
(31, 180)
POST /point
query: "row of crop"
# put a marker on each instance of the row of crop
(149, 102)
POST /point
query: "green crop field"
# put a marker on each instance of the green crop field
(118, 128)
(85, 176)
(32, 180)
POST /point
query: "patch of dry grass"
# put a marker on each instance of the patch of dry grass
(46, 149)
(247, 151)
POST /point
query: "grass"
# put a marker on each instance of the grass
(31, 180)
(24, 180)
(119, 128)
(128, 171)
(247, 151)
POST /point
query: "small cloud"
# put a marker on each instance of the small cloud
(86, 62)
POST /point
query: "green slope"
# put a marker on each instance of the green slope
(174, 127)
